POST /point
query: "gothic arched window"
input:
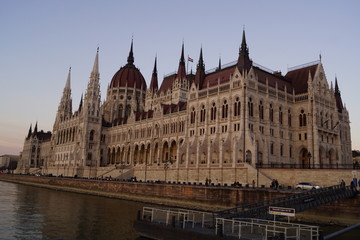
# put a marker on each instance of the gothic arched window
(302, 119)
(192, 115)
(225, 109)
(250, 107)
(237, 107)
(202, 113)
(213, 112)
(261, 110)
(271, 113)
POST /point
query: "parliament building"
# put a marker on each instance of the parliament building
(224, 124)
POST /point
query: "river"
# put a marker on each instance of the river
(37, 213)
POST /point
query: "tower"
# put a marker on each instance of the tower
(65, 106)
(91, 123)
(153, 88)
(180, 86)
(200, 71)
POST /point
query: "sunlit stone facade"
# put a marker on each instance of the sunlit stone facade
(221, 124)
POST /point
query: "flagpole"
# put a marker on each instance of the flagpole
(187, 64)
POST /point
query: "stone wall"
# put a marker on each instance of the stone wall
(245, 174)
(321, 177)
(226, 196)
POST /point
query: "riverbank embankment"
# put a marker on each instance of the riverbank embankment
(197, 197)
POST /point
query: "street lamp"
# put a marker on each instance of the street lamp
(309, 157)
(166, 166)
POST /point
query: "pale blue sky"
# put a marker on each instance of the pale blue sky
(41, 39)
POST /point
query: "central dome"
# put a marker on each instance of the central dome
(129, 75)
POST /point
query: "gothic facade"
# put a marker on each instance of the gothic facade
(217, 124)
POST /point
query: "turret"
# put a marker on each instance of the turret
(339, 103)
(200, 71)
(92, 95)
(181, 74)
(65, 106)
(244, 62)
(154, 80)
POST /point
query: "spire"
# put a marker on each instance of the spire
(244, 62)
(65, 106)
(96, 63)
(219, 67)
(81, 103)
(200, 71)
(339, 103)
(67, 85)
(131, 54)
(154, 79)
(30, 131)
(92, 94)
(35, 129)
(201, 61)
(181, 70)
(182, 58)
(336, 87)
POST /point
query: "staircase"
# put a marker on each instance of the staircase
(300, 202)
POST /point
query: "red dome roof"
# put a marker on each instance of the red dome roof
(128, 76)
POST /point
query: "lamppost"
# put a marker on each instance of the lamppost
(122, 166)
(257, 174)
(166, 166)
(309, 157)
(145, 168)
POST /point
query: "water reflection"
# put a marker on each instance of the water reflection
(37, 213)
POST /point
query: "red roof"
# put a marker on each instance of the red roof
(299, 78)
(167, 83)
(273, 79)
(128, 76)
(224, 75)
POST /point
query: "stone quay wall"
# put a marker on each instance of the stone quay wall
(197, 194)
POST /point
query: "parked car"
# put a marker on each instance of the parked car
(306, 186)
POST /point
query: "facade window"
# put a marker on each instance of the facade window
(192, 116)
(281, 150)
(91, 138)
(271, 148)
(302, 119)
(289, 118)
(237, 107)
(202, 113)
(280, 116)
(225, 109)
(290, 151)
(213, 112)
(261, 110)
(271, 113)
(250, 107)
(271, 132)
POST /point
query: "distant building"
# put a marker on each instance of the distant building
(36, 150)
(217, 124)
(8, 162)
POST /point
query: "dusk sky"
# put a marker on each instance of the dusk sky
(41, 39)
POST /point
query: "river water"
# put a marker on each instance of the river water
(36, 213)
(30, 213)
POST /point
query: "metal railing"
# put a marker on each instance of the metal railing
(250, 228)
(181, 218)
